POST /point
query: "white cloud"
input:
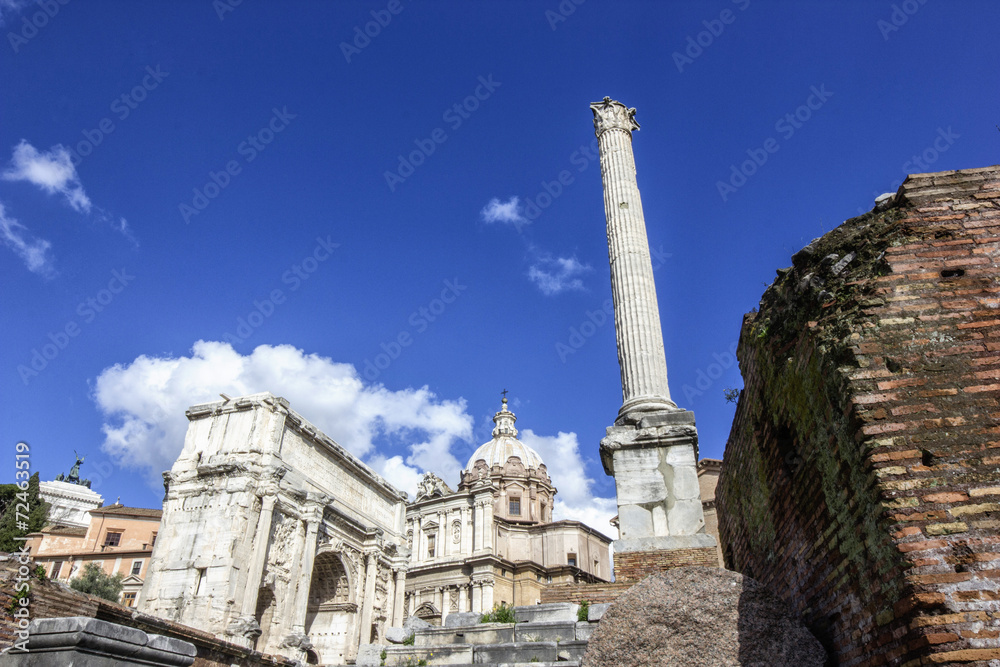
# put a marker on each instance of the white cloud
(143, 403)
(556, 275)
(508, 212)
(10, 7)
(33, 251)
(574, 498)
(52, 171)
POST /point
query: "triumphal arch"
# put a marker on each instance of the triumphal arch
(276, 537)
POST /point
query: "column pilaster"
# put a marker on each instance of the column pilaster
(245, 628)
(399, 597)
(371, 570)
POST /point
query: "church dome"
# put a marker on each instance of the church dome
(505, 444)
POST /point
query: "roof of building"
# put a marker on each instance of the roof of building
(505, 444)
(60, 529)
(121, 510)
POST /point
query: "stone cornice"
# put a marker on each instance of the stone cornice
(300, 425)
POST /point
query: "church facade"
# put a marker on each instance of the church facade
(493, 540)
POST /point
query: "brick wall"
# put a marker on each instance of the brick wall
(635, 565)
(593, 593)
(862, 475)
(51, 599)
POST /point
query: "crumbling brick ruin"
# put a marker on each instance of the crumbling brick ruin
(861, 480)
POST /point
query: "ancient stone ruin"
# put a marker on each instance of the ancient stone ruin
(858, 504)
(861, 480)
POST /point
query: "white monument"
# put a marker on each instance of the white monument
(70, 498)
(652, 449)
(275, 537)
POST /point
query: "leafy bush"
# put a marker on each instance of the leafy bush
(96, 582)
(584, 611)
(501, 613)
(410, 640)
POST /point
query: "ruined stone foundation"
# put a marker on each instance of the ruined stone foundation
(861, 479)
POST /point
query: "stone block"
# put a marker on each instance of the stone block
(545, 631)
(410, 625)
(584, 629)
(696, 541)
(701, 616)
(596, 611)
(571, 650)
(539, 613)
(516, 652)
(486, 633)
(462, 619)
(88, 642)
(455, 654)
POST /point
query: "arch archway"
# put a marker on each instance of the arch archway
(331, 609)
(428, 612)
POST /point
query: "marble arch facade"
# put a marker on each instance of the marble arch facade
(262, 511)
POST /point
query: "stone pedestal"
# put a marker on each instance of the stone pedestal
(661, 522)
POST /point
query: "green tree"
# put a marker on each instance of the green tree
(11, 525)
(96, 582)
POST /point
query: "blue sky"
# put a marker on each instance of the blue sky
(207, 197)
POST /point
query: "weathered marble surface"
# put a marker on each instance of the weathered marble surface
(275, 537)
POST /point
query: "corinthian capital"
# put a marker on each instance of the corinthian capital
(611, 114)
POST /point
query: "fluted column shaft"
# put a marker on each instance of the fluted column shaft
(371, 570)
(259, 553)
(305, 573)
(639, 335)
(397, 606)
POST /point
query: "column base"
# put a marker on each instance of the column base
(636, 559)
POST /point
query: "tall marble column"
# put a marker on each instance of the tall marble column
(637, 316)
(652, 448)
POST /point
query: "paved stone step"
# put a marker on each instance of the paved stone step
(554, 611)
(508, 653)
(483, 633)
(561, 663)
